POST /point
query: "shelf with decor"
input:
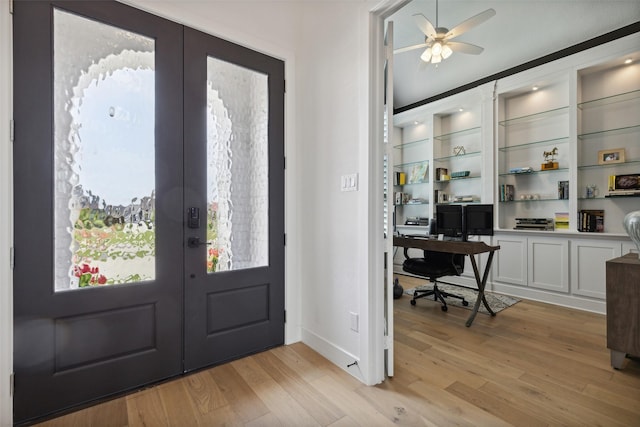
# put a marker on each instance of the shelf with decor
(608, 130)
(457, 152)
(534, 152)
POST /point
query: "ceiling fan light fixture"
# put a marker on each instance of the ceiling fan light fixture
(426, 55)
(435, 59)
(446, 51)
(436, 49)
(628, 61)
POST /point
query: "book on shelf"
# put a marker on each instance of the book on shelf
(591, 221)
(563, 190)
(400, 178)
(561, 220)
(507, 193)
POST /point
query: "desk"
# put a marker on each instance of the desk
(464, 248)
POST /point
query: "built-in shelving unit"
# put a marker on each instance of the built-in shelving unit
(533, 121)
(608, 127)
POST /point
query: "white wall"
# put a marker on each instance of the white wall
(326, 48)
(6, 208)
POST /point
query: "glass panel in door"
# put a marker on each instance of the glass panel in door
(237, 167)
(104, 158)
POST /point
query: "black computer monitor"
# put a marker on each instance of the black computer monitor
(449, 220)
(478, 220)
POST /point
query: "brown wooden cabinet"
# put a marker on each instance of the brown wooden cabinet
(623, 308)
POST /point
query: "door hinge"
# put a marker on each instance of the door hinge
(285, 316)
(284, 85)
(12, 382)
(11, 7)
(284, 162)
(12, 130)
(285, 239)
(12, 257)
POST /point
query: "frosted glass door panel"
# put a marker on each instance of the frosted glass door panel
(104, 174)
(237, 167)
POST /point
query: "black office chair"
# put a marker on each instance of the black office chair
(433, 266)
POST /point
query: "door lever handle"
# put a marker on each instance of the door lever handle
(194, 242)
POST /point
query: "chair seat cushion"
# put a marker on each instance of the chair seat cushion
(423, 268)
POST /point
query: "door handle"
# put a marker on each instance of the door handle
(194, 242)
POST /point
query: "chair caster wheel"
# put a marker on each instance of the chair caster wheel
(444, 308)
(465, 303)
(413, 302)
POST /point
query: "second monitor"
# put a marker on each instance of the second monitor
(461, 221)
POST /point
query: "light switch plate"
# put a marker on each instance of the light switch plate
(349, 182)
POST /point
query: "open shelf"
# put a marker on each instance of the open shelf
(448, 136)
(632, 162)
(442, 159)
(531, 144)
(443, 181)
(404, 165)
(610, 132)
(534, 172)
(621, 97)
(534, 117)
(411, 144)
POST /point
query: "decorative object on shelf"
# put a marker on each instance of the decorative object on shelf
(631, 224)
(441, 173)
(526, 169)
(418, 173)
(615, 155)
(549, 160)
(624, 185)
(459, 150)
(592, 191)
(460, 174)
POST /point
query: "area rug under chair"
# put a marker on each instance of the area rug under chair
(497, 302)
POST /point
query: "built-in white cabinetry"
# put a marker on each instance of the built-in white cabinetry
(542, 144)
(588, 276)
(532, 261)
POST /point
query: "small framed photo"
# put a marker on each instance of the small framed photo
(615, 155)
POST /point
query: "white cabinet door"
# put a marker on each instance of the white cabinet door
(511, 260)
(588, 272)
(548, 260)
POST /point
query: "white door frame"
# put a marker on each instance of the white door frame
(377, 243)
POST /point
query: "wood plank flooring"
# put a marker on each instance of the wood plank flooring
(533, 364)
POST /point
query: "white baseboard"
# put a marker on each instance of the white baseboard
(338, 356)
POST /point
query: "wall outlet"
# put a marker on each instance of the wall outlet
(354, 321)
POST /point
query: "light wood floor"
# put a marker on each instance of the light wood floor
(532, 365)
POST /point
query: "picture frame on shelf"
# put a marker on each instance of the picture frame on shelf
(615, 155)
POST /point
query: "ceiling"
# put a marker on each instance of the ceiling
(520, 31)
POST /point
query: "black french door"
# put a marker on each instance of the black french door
(142, 250)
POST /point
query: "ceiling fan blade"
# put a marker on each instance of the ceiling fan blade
(408, 48)
(425, 25)
(465, 48)
(465, 26)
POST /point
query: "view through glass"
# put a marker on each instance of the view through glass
(104, 154)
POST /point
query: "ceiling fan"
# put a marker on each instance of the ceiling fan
(438, 40)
